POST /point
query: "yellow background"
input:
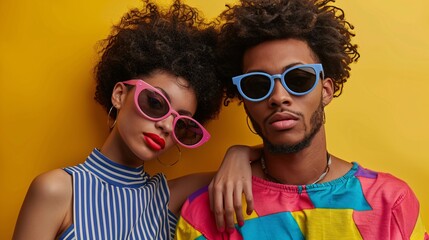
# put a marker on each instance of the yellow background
(48, 118)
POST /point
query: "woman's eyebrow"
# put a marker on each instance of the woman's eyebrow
(185, 113)
(164, 93)
(181, 112)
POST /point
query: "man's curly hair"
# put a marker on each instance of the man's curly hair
(322, 26)
(176, 40)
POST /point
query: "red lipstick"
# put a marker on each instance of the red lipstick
(154, 141)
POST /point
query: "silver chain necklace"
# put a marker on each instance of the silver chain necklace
(273, 179)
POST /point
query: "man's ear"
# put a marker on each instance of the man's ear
(118, 95)
(327, 91)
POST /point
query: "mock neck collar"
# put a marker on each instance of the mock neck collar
(115, 173)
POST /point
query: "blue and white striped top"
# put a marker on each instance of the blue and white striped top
(112, 201)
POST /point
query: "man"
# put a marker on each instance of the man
(287, 60)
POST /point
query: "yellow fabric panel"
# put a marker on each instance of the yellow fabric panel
(186, 230)
(314, 222)
(243, 209)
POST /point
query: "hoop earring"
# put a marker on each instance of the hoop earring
(248, 125)
(324, 117)
(174, 163)
(108, 118)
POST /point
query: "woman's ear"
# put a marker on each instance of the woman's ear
(118, 95)
(327, 91)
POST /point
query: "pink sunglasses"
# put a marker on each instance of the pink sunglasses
(153, 105)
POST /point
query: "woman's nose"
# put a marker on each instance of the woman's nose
(166, 124)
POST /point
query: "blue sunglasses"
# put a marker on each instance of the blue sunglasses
(297, 80)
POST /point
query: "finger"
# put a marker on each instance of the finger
(211, 195)
(229, 207)
(247, 189)
(238, 193)
(218, 207)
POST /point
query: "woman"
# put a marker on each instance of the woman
(157, 81)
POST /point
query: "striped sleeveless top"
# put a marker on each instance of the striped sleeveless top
(112, 201)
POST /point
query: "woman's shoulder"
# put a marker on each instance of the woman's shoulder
(46, 204)
(55, 185)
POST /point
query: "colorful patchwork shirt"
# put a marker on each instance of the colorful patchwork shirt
(362, 204)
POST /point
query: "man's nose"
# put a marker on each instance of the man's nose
(280, 95)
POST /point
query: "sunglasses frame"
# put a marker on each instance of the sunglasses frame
(141, 85)
(317, 67)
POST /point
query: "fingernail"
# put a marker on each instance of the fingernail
(230, 230)
(240, 223)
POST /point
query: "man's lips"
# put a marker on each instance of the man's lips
(154, 141)
(283, 120)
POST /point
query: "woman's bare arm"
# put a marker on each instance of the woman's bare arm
(43, 214)
(182, 187)
(226, 186)
(233, 179)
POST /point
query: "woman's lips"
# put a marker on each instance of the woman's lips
(154, 141)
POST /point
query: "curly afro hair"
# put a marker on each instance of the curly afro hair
(176, 40)
(322, 26)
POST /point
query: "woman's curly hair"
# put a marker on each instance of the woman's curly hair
(176, 40)
(321, 25)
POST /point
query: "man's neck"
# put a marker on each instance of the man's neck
(303, 167)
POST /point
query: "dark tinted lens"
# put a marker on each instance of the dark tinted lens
(187, 131)
(255, 86)
(300, 79)
(152, 104)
